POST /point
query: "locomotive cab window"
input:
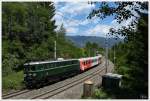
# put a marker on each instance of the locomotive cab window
(26, 68)
(32, 68)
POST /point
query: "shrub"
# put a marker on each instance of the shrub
(13, 81)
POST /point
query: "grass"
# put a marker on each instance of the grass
(100, 94)
(119, 93)
(13, 81)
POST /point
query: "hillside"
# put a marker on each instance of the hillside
(80, 41)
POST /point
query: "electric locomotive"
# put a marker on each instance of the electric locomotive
(37, 73)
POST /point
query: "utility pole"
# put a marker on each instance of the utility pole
(115, 52)
(55, 48)
(106, 53)
(114, 55)
(55, 57)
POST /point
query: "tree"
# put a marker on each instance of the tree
(121, 13)
(91, 49)
(62, 31)
(136, 41)
(28, 32)
(137, 58)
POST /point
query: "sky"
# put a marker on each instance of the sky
(73, 15)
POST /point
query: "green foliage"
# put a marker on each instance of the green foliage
(28, 35)
(132, 59)
(132, 55)
(100, 94)
(66, 49)
(119, 93)
(92, 48)
(61, 32)
(26, 29)
(13, 81)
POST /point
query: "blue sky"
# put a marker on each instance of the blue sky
(74, 17)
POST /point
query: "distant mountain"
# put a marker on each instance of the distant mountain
(80, 41)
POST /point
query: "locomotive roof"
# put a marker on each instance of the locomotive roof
(90, 57)
(44, 62)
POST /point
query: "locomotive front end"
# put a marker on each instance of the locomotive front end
(29, 76)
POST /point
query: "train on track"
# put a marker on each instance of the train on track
(37, 73)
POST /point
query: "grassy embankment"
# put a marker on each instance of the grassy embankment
(13, 81)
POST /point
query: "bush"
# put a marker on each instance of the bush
(13, 81)
(100, 94)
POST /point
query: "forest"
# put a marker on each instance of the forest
(28, 34)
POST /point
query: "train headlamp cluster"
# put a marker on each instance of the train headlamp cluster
(34, 74)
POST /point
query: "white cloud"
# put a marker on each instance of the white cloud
(76, 8)
(72, 30)
(98, 30)
(72, 22)
(65, 13)
(85, 22)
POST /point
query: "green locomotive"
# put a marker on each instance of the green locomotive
(37, 73)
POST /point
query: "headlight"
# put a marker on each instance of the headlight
(34, 74)
(25, 75)
(46, 73)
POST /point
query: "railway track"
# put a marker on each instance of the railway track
(15, 93)
(54, 90)
(64, 87)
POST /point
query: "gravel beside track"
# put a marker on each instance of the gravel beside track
(14, 93)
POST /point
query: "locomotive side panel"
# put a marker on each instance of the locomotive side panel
(50, 71)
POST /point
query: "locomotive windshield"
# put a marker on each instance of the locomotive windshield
(26, 68)
(29, 68)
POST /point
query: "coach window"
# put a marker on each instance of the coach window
(85, 63)
(45, 66)
(72, 62)
(38, 67)
(82, 63)
(56, 64)
(60, 63)
(52, 65)
(48, 66)
(66, 62)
